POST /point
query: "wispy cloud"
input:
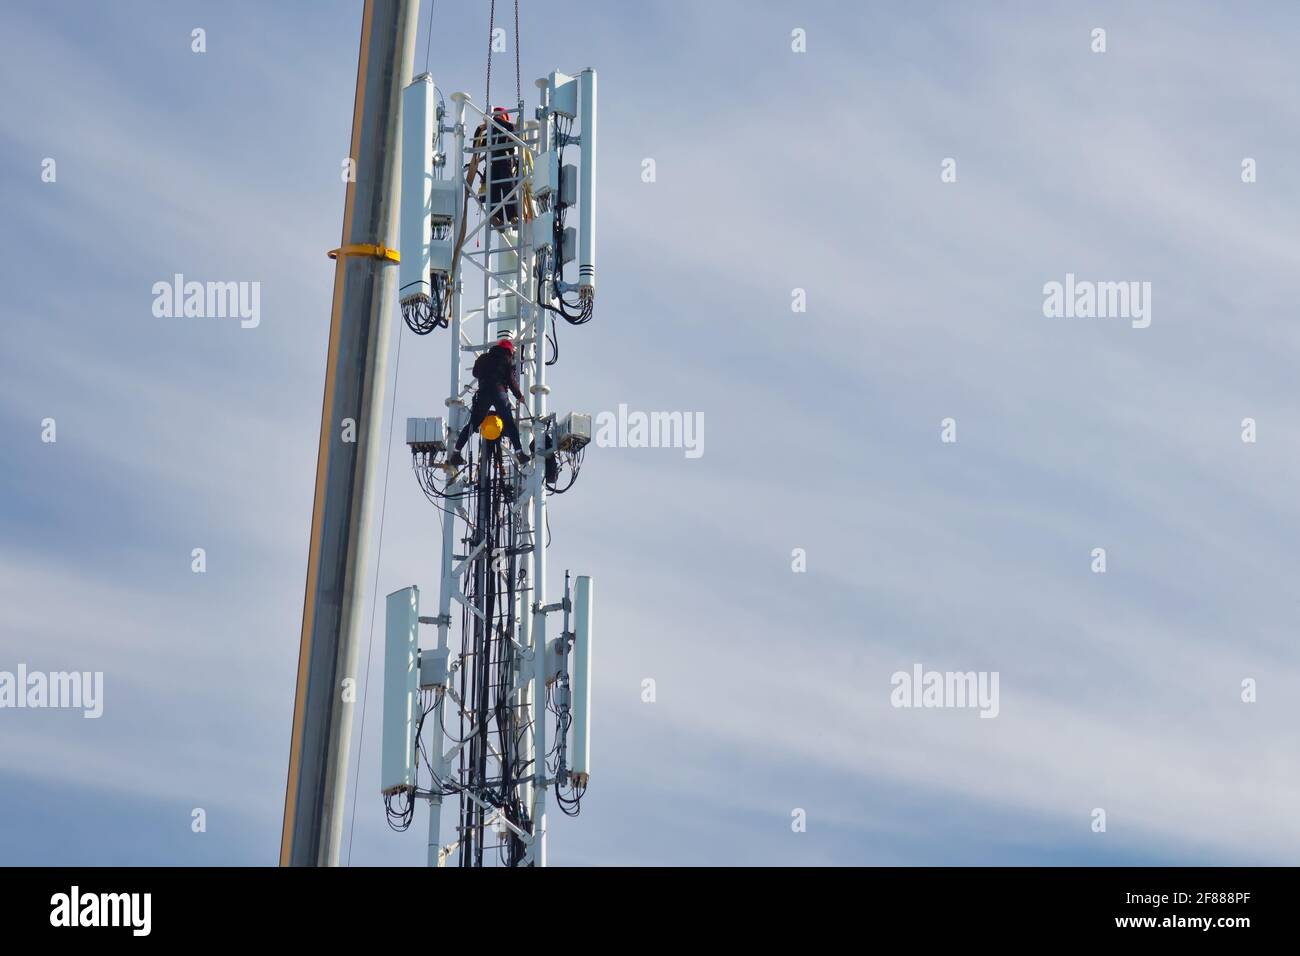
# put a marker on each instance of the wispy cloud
(775, 171)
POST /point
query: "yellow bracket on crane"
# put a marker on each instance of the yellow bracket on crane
(366, 249)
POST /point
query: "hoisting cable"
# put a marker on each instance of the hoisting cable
(374, 595)
(492, 22)
(428, 35)
(492, 26)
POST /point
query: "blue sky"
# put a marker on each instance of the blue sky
(775, 171)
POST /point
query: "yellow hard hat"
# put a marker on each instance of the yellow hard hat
(491, 427)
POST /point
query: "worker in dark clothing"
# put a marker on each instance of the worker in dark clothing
(495, 371)
(499, 152)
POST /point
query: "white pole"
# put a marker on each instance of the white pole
(587, 184)
(448, 583)
(539, 390)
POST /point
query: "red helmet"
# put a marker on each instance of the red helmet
(503, 111)
(507, 345)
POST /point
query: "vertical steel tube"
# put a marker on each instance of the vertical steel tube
(351, 416)
(450, 521)
(528, 323)
(587, 183)
(537, 853)
(543, 85)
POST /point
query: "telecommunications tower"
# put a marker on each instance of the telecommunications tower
(490, 711)
(495, 712)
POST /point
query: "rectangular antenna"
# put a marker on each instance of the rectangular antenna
(401, 686)
(580, 766)
(418, 132)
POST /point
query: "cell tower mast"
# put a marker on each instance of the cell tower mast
(496, 712)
